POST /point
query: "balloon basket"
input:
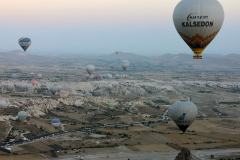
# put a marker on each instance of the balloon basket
(197, 57)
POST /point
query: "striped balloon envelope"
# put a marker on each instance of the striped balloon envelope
(22, 115)
(56, 123)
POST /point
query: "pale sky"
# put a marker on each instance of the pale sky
(143, 27)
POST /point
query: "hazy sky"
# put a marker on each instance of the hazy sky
(103, 26)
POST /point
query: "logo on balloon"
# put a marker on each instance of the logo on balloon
(192, 16)
(193, 20)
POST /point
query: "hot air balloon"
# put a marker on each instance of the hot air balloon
(125, 64)
(111, 106)
(104, 76)
(183, 113)
(22, 115)
(96, 76)
(33, 81)
(109, 76)
(100, 76)
(39, 75)
(4, 104)
(109, 86)
(24, 43)
(63, 94)
(44, 88)
(117, 76)
(90, 69)
(53, 89)
(11, 88)
(21, 87)
(32, 74)
(56, 123)
(117, 52)
(198, 22)
(14, 75)
(112, 67)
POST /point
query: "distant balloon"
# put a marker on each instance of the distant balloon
(39, 75)
(21, 87)
(198, 22)
(111, 106)
(104, 76)
(3, 104)
(90, 69)
(63, 94)
(117, 52)
(14, 75)
(125, 64)
(112, 67)
(100, 76)
(109, 86)
(56, 123)
(33, 81)
(44, 88)
(11, 88)
(22, 115)
(109, 76)
(117, 76)
(54, 89)
(32, 74)
(183, 113)
(24, 43)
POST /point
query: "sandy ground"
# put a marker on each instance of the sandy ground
(163, 155)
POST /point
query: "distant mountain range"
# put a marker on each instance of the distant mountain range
(165, 61)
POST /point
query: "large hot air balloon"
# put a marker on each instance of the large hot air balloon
(56, 123)
(24, 43)
(63, 94)
(198, 22)
(54, 89)
(90, 69)
(33, 81)
(183, 113)
(22, 115)
(125, 64)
